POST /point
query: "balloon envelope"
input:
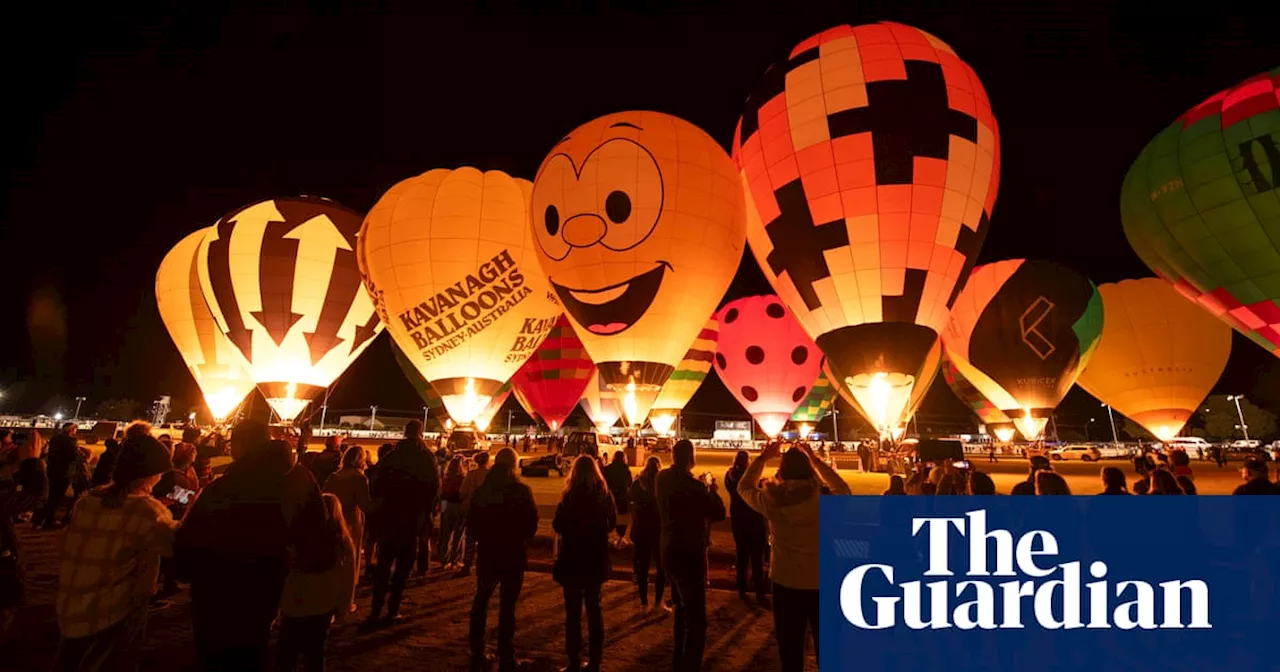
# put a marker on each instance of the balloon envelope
(431, 398)
(1159, 356)
(448, 259)
(1021, 332)
(1201, 204)
(987, 412)
(871, 157)
(639, 223)
(818, 403)
(554, 378)
(765, 359)
(685, 380)
(602, 405)
(209, 355)
(282, 282)
(856, 394)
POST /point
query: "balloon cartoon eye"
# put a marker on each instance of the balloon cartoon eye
(629, 184)
(613, 199)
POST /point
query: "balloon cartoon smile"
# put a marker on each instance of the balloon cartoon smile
(616, 308)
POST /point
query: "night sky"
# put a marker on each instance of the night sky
(123, 133)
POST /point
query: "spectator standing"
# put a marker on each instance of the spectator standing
(584, 518)
(404, 494)
(687, 505)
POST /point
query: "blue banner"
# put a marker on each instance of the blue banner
(1097, 584)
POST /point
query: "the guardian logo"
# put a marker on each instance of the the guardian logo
(1038, 588)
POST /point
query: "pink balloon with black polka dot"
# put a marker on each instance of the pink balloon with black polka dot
(766, 359)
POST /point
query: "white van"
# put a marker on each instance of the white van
(1196, 447)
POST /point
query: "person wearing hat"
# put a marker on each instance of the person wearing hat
(1256, 481)
(110, 558)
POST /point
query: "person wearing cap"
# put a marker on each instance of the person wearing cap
(1256, 481)
(110, 559)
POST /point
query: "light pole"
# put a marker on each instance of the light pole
(79, 400)
(1088, 435)
(1115, 440)
(324, 410)
(373, 416)
(1240, 414)
(835, 425)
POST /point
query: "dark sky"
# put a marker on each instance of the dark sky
(124, 132)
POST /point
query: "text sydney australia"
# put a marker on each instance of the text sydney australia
(466, 307)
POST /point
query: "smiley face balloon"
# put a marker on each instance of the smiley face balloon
(640, 223)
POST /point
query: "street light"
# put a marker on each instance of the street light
(424, 416)
(1088, 434)
(58, 416)
(1240, 414)
(79, 400)
(324, 410)
(373, 416)
(1115, 440)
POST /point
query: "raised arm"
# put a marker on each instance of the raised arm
(828, 475)
(752, 495)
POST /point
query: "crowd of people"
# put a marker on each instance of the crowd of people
(279, 541)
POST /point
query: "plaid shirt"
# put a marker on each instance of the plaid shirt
(110, 558)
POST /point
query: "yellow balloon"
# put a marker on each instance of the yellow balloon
(640, 224)
(685, 380)
(281, 280)
(1159, 356)
(211, 358)
(448, 258)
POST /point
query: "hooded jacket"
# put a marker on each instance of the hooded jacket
(791, 507)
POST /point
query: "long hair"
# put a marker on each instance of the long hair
(585, 479)
(336, 524)
(649, 476)
(354, 458)
(454, 468)
(1049, 483)
(1163, 483)
(1113, 479)
(740, 460)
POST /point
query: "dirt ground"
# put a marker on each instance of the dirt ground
(432, 634)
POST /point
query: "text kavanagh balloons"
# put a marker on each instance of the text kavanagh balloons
(1201, 206)
(1159, 356)
(871, 157)
(765, 359)
(282, 282)
(448, 259)
(1021, 333)
(640, 226)
(209, 355)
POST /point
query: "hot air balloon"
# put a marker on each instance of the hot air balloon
(448, 260)
(1200, 204)
(815, 406)
(209, 355)
(993, 418)
(601, 404)
(431, 398)
(765, 359)
(1159, 356)
(685, 380)
(281, 280)
(554, 378)
(871, 158)
(640, 226)
(1021, 332)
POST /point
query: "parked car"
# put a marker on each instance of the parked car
(1196, 447)
(591, 443)
(467, 441)
(1082, 452)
